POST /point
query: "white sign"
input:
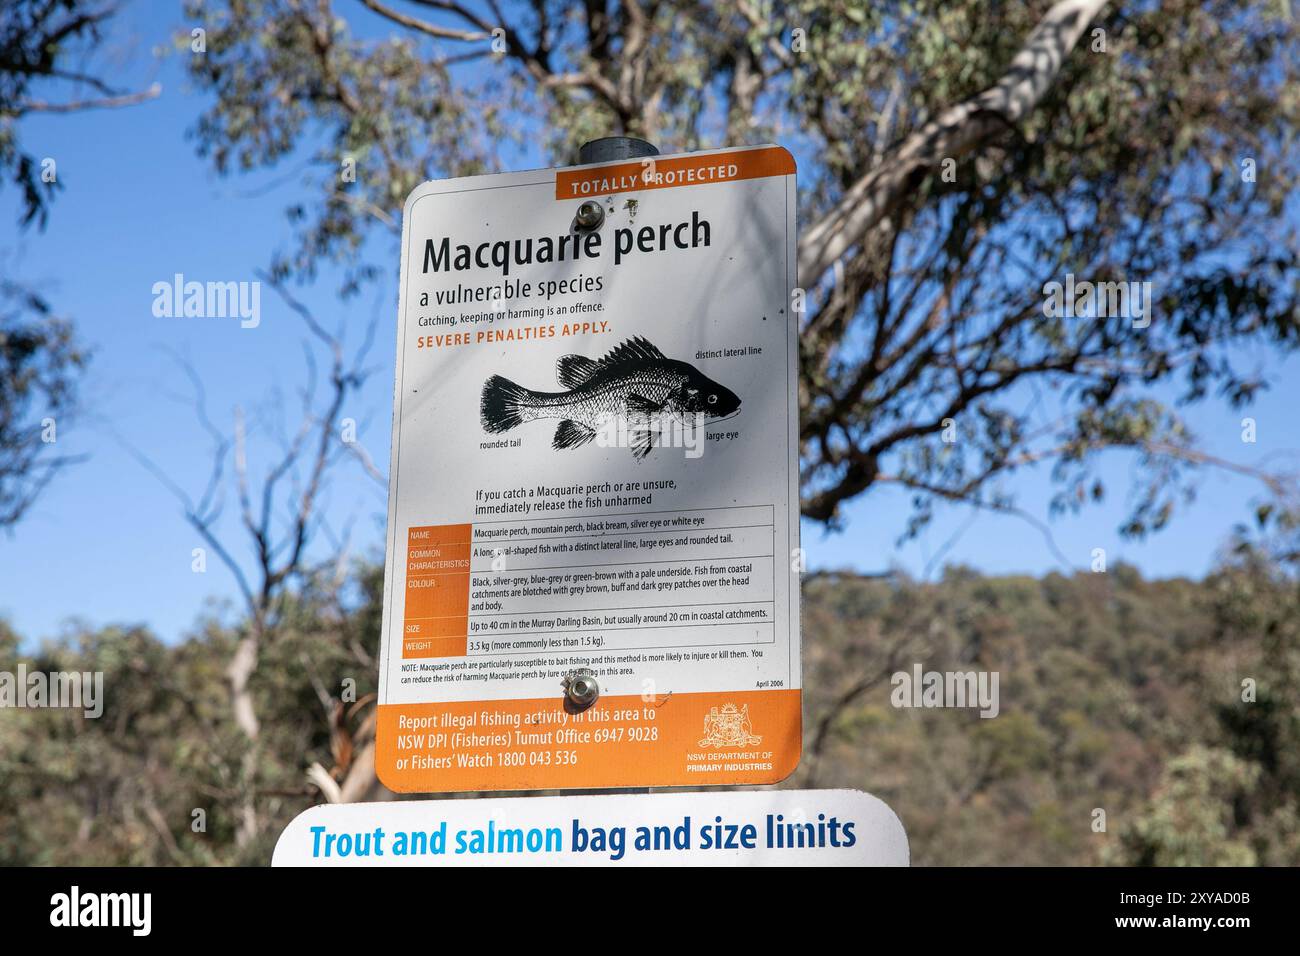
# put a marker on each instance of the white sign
(747, 828)
(594, 469)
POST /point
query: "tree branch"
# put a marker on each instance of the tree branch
(953, 133)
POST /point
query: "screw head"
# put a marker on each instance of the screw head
(581, 688)
(590, 215)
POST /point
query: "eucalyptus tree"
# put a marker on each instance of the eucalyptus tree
(1028, 231)
(962, 164)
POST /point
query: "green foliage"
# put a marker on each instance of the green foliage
(1116, 693)
(42, 44)
(1189, 821)
(45, 46)
(40, 365)
(1131, 167)
(123, 788)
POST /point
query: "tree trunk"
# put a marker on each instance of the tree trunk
(240, 672)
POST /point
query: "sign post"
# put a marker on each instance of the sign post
(592, 563)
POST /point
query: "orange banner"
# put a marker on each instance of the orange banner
(747, 737)
(654, 172)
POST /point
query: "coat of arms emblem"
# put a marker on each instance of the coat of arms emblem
(728, 727)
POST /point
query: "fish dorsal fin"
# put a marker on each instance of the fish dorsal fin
(573, 370)
(634, 351)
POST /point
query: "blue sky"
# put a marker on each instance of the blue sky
(108, 544)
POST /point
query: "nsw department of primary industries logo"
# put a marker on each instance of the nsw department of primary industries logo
(728, 727)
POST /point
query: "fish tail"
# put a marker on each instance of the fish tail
(504, 404)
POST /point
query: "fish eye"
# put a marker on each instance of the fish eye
(713, 399)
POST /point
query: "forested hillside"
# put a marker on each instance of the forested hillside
(1116, 694)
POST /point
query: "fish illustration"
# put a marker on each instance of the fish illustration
(635, 382)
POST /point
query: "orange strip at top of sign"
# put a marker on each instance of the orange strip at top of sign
(655, 173)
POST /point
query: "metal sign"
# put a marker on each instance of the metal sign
(593, 511)
(742, 828)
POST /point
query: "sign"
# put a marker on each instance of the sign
(741, 828)
(594, 472)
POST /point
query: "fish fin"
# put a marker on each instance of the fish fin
(571, 434)
(502, 405)
(643, 442)
(640, 405)
(635, 351)
(573, 370)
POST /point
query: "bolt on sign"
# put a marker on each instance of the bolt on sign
(593, 524)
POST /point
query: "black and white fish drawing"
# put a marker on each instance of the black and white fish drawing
(635, 382)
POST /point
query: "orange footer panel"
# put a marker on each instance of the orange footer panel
(675, 740)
